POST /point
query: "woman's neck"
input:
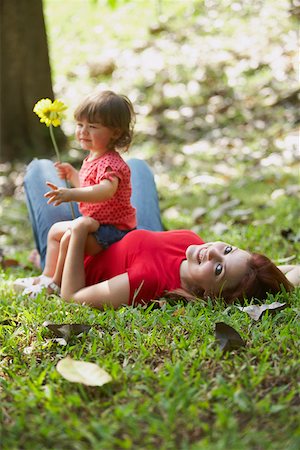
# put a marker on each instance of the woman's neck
(186, 282)
(184, 278)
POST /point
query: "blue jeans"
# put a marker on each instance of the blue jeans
(42, 216)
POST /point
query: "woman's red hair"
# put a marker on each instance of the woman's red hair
(262, 277)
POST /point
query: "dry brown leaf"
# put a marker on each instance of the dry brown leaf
(228, 337)
(67, 330)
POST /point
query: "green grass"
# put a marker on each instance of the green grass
(172, 387)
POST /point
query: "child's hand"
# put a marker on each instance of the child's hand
(65, 171)
(58, 195)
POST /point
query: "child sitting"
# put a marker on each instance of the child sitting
(102, 186)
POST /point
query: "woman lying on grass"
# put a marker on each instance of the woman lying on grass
(148, 262)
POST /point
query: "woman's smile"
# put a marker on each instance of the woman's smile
(214, 265)
(201, 254)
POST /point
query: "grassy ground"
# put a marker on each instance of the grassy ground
(229, 147)
(172, 387)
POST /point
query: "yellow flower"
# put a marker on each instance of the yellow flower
(50, 112)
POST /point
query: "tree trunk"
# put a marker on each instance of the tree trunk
(25, 79)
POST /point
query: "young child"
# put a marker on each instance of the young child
(102, 188)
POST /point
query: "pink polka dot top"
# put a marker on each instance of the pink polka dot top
(118, 210)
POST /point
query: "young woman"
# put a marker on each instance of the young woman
(148, 263)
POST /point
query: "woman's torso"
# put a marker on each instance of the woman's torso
(151, 259)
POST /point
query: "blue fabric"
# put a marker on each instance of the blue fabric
(144, 196)
(108, 234)
(42, 216)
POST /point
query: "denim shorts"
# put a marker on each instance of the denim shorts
(108, 234)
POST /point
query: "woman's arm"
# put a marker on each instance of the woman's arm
(114, 292)
(292, 272)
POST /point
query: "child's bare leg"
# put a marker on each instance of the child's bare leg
(91, 226)
(53, 243)
(33, 284)
(63, 248)
(92, 247)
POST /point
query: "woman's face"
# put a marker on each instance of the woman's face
(215, 266)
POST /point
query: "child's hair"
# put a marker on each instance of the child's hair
(112, 111)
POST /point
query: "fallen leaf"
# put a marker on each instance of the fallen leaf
(285, 260)
(67, 330)
(255, 311)
(5, 263)
(219, 228)
(241, 212)
(82, 372)
(198, 214)
(28, 350)
(228, 337)
(60, 341)
(290, 235)
(225, 208)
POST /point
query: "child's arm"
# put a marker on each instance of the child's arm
(66, 171)
(90, 194)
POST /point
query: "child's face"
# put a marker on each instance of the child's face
(94, 136)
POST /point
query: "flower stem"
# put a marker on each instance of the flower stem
(71, 203)
(58, 159)
(54, 142)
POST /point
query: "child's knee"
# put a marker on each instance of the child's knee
(53, 232)
(88, 223)
(57, 230)
(65, 239)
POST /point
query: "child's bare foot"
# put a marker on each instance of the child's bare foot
(35, 258)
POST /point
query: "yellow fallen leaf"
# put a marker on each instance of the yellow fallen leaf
(82, 372)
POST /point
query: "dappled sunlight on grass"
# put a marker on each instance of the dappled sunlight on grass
(215, 90)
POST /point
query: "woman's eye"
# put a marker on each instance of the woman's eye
(218, 269)
(228, 249)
